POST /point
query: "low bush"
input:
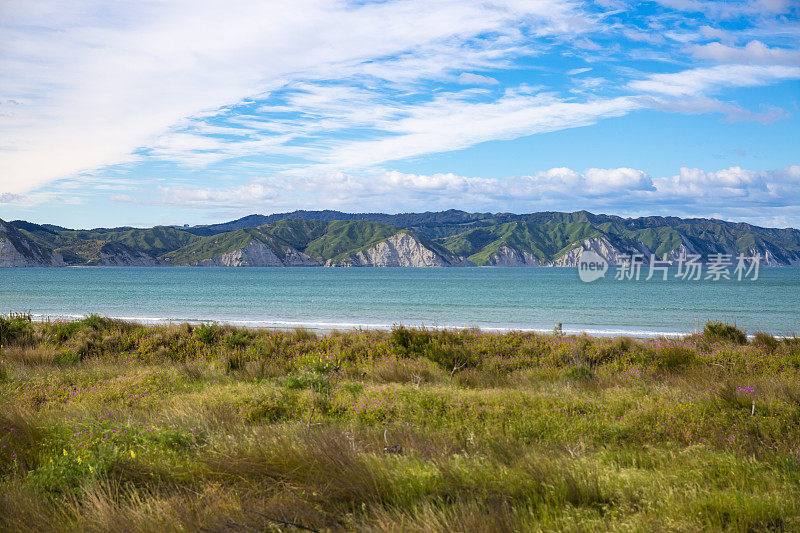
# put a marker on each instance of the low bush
(445, 348)
(206, 333)
(724, 332)
(580, 373)
(765, 341)
(16, 330)
(674, 356)
(20, 438)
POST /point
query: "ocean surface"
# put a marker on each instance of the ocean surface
(340, 298)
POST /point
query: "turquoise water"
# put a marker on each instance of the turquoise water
(328, 298)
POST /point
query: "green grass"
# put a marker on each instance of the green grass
(112, 426)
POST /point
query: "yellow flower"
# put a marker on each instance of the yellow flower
(91, 470)
(133, 455)
(64, 450)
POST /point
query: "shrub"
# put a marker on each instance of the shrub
(62, 331)
(304, 334)
(237, 339)
(445, 348)
(96, 322)
(86, 343)
(624, 345)
(67, 358)
(405, 371)
(19, 438)
(206, 333)
(791, 342)
(580, 373)
(765, 341)
(270, 408)
(589, 353)
(270, 347)
(738, 397)
(409, 341)
(450, 357)
(724, 332)
(16, 329)
(674, 356)
(234, 361)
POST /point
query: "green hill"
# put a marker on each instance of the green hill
(332, 236)
(320, 240)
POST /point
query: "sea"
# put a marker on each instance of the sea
(492, 299)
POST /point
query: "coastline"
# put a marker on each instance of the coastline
(328, 327)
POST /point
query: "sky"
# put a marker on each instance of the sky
(147, 112)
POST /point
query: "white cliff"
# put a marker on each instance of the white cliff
(121, 255)
(400, 250)
(599, 245)
(29, 254)
(506, 256)
(258, 254)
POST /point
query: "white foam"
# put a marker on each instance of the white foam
(329, 326)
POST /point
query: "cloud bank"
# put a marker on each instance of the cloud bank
(690, 192)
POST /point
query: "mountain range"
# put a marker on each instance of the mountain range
(431, 239)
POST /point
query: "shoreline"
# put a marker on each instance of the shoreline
(328, 327)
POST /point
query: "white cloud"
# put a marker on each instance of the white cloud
(468, 78)
(699, 80)
(95, 83)
(753, 53)
(240, 195)
(738, 192)
(701, 105)
(732, 8)
(449, 123)
(398, 129)
(713, 33)
(777, 188)
(7, 198)
(607, 180)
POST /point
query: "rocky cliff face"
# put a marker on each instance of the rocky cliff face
(407, 250)
(599, 245)
(117, 254)
(614, 254)
(511, 257)
(258, 254)
(400, 250)
(17, 250)
(771, 258)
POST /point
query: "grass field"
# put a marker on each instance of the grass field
(112, 426)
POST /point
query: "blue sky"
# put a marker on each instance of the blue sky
(194, 112)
